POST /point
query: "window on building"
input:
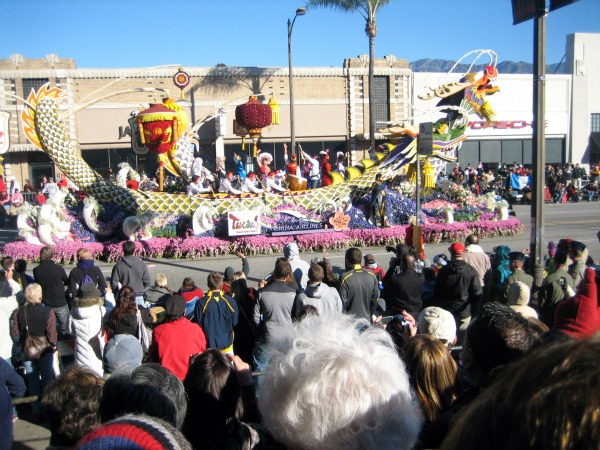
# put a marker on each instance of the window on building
(595, 125)
(381, 99)
(32, 83)
(594, 140)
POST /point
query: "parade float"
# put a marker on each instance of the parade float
(175, 225)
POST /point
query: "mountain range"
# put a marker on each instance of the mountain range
(442, 65)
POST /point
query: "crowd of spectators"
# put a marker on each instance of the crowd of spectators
(563, 183)
(467, 353)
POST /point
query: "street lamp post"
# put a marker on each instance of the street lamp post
(290, 23)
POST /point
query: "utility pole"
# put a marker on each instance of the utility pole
(536, 255)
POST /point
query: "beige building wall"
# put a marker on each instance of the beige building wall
(330, 102)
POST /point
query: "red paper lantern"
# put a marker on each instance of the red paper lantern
(254, 116)
(160, 126)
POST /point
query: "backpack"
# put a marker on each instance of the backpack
(86, 279)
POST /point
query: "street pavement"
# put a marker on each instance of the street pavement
(579, 221)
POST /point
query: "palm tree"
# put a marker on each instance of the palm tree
(367, 9)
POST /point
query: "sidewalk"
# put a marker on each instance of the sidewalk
(27, 434)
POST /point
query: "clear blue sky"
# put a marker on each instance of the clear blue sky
(133, 33)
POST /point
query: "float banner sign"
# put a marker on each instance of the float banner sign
(243, 223)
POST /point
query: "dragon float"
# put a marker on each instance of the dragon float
(458, 99)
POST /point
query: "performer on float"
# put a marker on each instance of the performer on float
(326, 178)
(292, 168)
(220, 171)
(122, 174)
(272, 184)
(315, 172)
(339, 164)
(197, 186)
(249, 184)
(198, 170)
(226, 186)
(264, 159)
(378, 198)
(409, 238)
(240, 168)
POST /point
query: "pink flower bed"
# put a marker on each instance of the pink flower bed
(195, 248)
(438, 204)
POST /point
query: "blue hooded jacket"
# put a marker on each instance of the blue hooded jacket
(501, 266)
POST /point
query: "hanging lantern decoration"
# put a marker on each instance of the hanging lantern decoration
(160, 127)
(253, 116)
(181, 79)
(429, 174)
(274, 110)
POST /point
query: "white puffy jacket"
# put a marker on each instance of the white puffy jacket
(85, 323)
(9, 289)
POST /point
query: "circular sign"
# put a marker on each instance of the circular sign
(181, 79)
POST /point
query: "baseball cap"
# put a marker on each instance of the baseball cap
(175, 306)
(122, 353)
(440, 260)
(438, 323)
(516, 256)
(229, 271)
(457, 248)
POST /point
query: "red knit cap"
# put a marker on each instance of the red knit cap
(578, 316)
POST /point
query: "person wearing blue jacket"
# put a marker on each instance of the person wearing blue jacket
(13, 386)
(217, 313)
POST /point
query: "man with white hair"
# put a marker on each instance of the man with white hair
(336, 383)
